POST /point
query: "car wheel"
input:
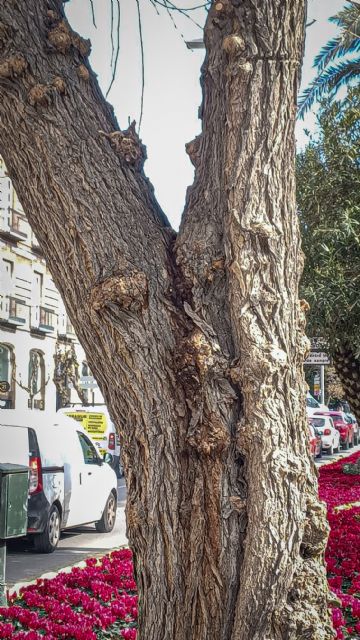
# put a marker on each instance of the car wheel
(336, 449)
(319, 455)
(47, 541)
(331, 450)
(346, 444)
(107, 522)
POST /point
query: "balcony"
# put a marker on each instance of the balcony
(14, 225)
(69, 328)
(43, 320)
(46, 320)
(13, 311)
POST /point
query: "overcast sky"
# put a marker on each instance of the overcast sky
(172, 91)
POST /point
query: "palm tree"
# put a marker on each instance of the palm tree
(333, 75)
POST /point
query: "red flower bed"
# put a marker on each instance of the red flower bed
(93, 603)
(340, 491)
(99, 602)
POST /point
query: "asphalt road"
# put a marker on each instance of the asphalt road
(24, 564)
(326, 459)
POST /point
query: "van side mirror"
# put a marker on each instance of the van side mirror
(108, 458)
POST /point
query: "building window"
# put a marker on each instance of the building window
(7, 381)
(36, 383)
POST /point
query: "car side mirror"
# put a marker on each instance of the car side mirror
(108, 458)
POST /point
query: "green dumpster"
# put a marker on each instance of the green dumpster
(14, 487)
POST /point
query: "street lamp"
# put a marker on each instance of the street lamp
(195, 44)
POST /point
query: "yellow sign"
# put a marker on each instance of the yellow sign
(93, 423)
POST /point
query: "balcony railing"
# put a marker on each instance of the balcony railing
(18, 224)
(43, 320)
(46, 319)
(69, 328)
(17, 311)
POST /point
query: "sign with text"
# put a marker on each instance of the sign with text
(317, 357)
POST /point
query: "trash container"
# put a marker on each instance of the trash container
(14, 487)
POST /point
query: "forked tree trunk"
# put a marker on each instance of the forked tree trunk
(196, 340)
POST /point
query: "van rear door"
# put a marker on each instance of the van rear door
(14, 444)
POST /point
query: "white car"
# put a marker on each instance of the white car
(330, 437)
(313, 406)
(69, 483)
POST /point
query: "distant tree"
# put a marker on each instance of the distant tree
(328, 196)
(331, 74)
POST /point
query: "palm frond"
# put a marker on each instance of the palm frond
(329, 80)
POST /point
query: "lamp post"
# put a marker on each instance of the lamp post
(195, 44)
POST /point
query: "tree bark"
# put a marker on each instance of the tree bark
(197, 341)
(347, 366)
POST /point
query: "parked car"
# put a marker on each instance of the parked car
(345, 428)
(350, 417)
(314, 442)
(97, 423)
(69, 483)
(330, 436)
(312, 405)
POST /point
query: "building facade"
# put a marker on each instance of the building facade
(42, 365)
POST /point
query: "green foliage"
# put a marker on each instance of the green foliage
(332, 74)
(328, 197)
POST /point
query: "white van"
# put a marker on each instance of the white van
(69, 483)
(98, 425)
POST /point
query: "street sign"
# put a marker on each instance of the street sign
(317, 357)
(4, 386)
(88, 382)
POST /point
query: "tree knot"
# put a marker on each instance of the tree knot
(83, 72)
(193, 150)
(234, 45)
(127, 290)
(62, 37)
(13, 66)
(128, 146)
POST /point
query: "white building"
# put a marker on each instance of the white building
(37, 341)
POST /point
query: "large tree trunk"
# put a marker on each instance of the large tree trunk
(196, 341)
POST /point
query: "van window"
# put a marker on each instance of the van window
(88, 450)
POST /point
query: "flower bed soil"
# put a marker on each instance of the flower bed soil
(99, 601)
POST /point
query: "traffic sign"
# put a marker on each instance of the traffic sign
(88, 382)
(317, 357)
(4, 386)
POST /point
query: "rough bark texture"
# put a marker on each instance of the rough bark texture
(196, 341)
(347, 366)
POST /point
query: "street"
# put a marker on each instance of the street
(24, 565)
(326, 459)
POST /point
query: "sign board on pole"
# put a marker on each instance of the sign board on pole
(317, 357)
(88, 382)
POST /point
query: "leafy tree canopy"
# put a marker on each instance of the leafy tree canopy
(328, 196)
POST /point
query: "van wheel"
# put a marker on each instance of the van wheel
(107, 522)
(47, 541)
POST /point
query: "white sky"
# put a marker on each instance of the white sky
(172, 90)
